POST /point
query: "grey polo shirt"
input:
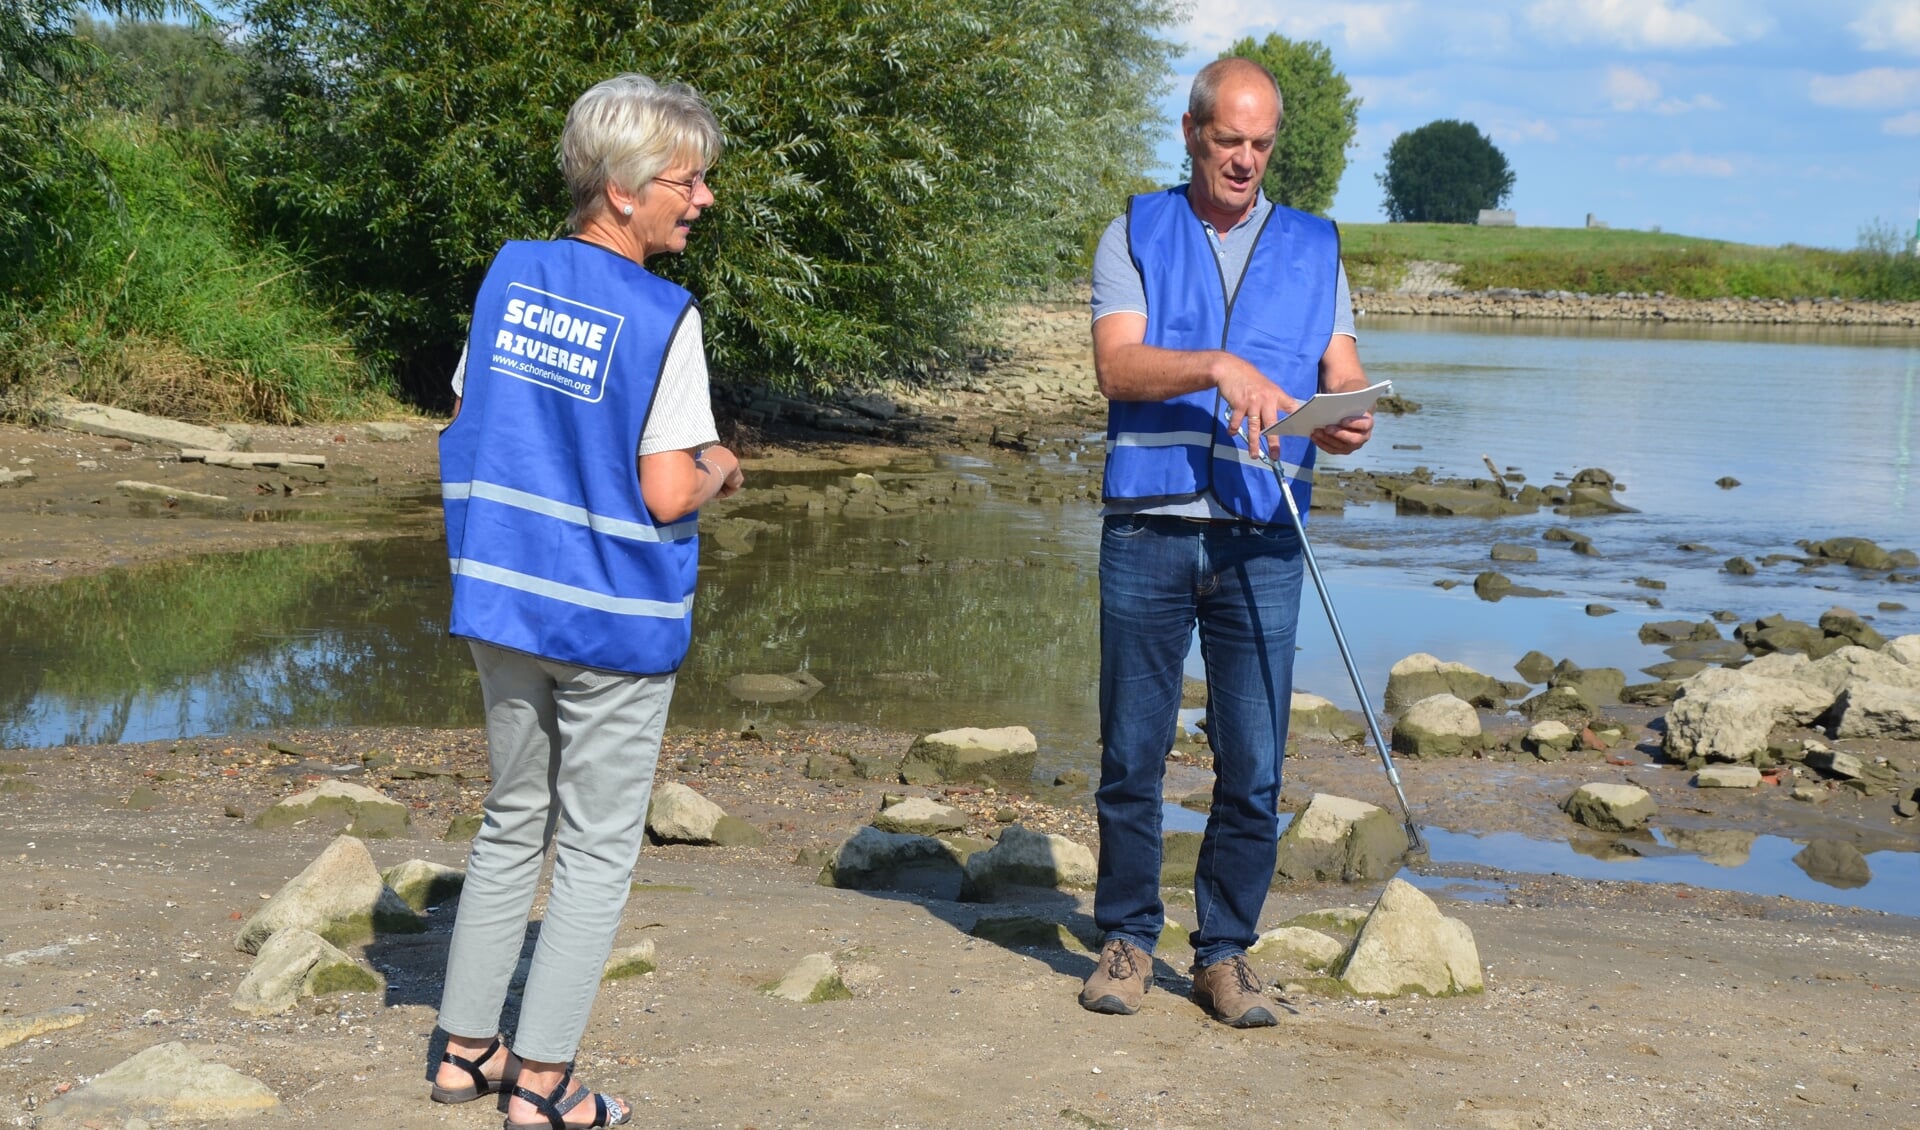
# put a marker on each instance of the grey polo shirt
(1117, 289)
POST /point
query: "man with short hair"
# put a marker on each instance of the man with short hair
(1215, 314)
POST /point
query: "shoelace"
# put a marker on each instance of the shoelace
(1119, 961)
(1244, 975)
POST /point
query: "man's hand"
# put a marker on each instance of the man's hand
(1129, 369)
(1340, 371)
(1255, 402)
(1345, 437)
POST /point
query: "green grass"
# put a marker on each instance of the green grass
(1605, 262)
(166, 305)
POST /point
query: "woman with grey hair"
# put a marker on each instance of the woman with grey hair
(582, 446)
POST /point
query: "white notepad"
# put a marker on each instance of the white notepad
(1325, 408)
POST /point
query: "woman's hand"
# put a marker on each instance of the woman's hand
(727, 466)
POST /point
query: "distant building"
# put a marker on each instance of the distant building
(1496, 218)
(1596, 225)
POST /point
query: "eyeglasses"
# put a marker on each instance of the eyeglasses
(690, 185)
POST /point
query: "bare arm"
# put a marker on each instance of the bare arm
(1340, 371)
(1129, 369)
(674, 484)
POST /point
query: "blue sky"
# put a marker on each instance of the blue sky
(1762, 121)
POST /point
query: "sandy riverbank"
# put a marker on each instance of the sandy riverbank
(1607, 1004)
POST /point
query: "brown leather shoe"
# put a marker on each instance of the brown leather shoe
(1230, 991)
(1120, 981)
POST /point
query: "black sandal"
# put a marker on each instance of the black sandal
(481, 1085)
(554, 1108)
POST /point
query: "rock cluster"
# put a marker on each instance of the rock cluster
(1729, 715)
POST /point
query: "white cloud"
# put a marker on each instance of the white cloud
(1689, 164)
(1638, 25)
(1358, 26)
(1906, 125)
(1628, 90)
(1889, 25)
(1520, 132)
(1877, 89)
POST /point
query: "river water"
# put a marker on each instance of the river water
(987, 614)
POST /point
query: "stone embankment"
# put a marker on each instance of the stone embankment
(1508, 302)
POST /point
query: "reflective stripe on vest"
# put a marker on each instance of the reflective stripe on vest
(1280, 320)
(550, 544)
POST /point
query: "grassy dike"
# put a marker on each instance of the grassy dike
(1607, 262)
(161, 301)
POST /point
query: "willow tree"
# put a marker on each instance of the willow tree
(1319, 115)
(891, 167)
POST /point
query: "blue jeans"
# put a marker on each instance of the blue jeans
(1241, 583)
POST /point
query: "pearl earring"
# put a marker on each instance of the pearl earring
(626, 210)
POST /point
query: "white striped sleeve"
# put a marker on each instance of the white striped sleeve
(682, 416)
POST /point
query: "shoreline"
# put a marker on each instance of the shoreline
(1501, 302)
(1607, 1004)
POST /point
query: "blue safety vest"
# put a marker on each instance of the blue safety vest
(552, 550)
(1280, 319)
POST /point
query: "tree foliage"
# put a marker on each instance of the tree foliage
(890, 166)
(189, 76)
(1444, 173)
(1320, 114)
(44, 67)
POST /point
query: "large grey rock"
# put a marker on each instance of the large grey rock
(15, 1029)
(339, 896)
(1847, 623)
(1443, 501)
(1408, 946)
(680, 815)
(422, 883)
(294, 964)
(1559, 704)
(100, 420)
(1608, 807)
(1438, 726)
(356, 809)
(1024, 858)
(1854, 664)
(1835, 763)
(1727, 777)
(970, 753)
(1548, 740)
(1316, 717)
(1298, 946)
(1904, 648)
(1875, 710)
(386, 431)
(872, 860)
(1508, 551)
(1676, 631)
(1725, 715)
(1835, 863)
(1337, 839)
(1598, 685)
(1535, 667)
(1421, 676)
(816, 978)
(165, 1083)
(921, 816)
(629, 961)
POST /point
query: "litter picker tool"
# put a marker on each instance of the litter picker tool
(1416, 847)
